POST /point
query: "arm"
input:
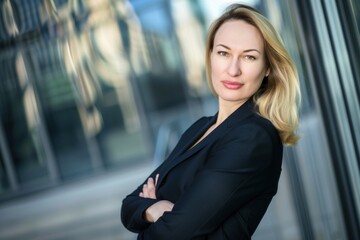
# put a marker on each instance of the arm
(242, 224)
(134, 205)
(155, 211)
(234, 174)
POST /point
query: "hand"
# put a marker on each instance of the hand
(155, 211)
(149, 188)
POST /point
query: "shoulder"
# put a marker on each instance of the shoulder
(258, 124)
(253, 128)
(249, 137)
(252, 141)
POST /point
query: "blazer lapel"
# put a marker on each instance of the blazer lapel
(187, 147)
(185, 152)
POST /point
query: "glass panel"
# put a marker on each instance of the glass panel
(61, 110)
(20, 118)
(163, 73)
(320, 208)
(4, 183)
(355, 6)
(111, 57)
(84, 83)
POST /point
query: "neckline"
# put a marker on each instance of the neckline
(198, 141)
(240, 113)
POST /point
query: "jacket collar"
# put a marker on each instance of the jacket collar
(239, 114)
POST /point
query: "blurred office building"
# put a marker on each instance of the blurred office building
(94, 94)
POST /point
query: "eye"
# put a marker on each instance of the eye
(250, 58)
(222, 53)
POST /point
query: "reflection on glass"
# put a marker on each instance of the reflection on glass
(319, 209)
(192, 46)
(20, 120)
(9, 17)
(115, 63)
(4, 183)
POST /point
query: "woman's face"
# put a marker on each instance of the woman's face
(237, 61)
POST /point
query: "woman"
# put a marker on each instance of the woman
(220, 178)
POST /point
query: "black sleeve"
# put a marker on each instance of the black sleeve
(234, 174)
(133, 206)
(242, 224)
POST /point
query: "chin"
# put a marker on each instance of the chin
(232, 99)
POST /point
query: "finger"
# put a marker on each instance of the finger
(156, 179)
(141, 194)
(152, 194)
(145, 191)
(151, 188)
(150, 183)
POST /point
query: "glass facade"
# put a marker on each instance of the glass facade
(93, 87)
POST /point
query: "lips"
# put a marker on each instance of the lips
(232, 84)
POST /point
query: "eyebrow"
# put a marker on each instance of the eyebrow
(247, 50)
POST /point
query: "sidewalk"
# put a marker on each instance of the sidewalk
(88, 209)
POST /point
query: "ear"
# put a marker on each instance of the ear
(267, 72)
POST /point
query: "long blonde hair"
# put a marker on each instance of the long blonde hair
(279, 95)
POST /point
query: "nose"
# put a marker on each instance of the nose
(234, 67)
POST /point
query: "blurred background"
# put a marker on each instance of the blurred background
(94, 94)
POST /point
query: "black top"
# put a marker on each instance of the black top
(221, 187)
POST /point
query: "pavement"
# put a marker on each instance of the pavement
(86, 209)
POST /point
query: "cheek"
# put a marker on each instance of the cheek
(258, 82)
(258, 85)
(213, 65)
(216, 68)
(256, 79)
(258, 73)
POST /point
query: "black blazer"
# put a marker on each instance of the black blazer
(221, 187)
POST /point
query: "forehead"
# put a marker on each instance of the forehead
(239, 34)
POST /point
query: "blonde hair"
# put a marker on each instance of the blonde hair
(279, 95)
